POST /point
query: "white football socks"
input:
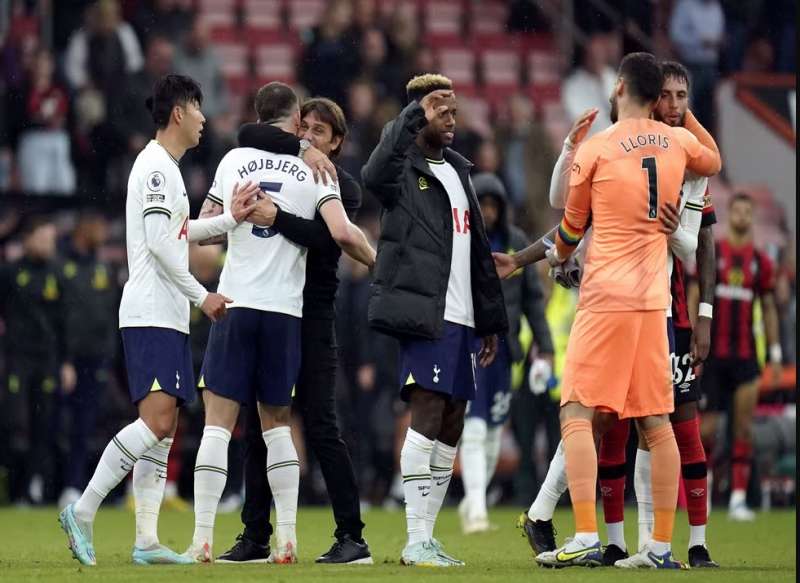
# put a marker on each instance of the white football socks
(283, 475)
(118, 458)
(442, 458)
(473, 454)
(642, 487)
(493, 443)
(415, 467)
(149, 479)
(210, 475)
(616, 534)
(553, 487)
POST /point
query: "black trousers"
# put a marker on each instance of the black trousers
(315, 401)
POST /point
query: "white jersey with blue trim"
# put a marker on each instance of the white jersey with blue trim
(263, 269)
(150, 297)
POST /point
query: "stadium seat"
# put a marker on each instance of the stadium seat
(543, 68)
(262, 15)
(443, 22)
(275, 63)
(488, 17)
(304, 14)
(459, 65)
(474, 111)
(219, 16)
(500, 70)
(235, 60)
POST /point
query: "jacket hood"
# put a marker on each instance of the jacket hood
(489, 184)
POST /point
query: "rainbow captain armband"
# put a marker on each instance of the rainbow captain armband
(570, 236)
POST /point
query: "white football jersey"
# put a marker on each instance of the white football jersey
(458, 307)
(149, 298)
(263, 269)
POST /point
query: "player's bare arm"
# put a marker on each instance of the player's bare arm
(771, 330)
(706, 275)
(243, 203)
(350, 238)
(507, 264)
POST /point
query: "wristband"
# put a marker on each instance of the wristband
(705, 310)
(775, 354)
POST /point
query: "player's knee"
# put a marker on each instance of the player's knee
(161, 425)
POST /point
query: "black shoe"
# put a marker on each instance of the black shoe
(245, 551)
(699, 558)
(541, 533)
(612, 554)
(346, 551)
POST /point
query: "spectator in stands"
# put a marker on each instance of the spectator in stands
(697, 30)
(741, 17)
(196, 58)
(387, 76)
(404, 46)
(168, 18)
(365, 15)
(487, 158)
(130, 117)
(330, 59)
(363, 132)
(528, 160)
(591, 84)
(91, 298)
(103, 51)
(43, 154)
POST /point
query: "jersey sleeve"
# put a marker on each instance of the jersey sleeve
(699, 159)
(709, 215)
(215, 190)
(326, 192)
(579, 201)
(766, 274)
(156, 193)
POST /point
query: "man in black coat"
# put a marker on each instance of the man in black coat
(323, 129)
(436, 289)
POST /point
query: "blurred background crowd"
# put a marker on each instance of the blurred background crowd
(74, 75)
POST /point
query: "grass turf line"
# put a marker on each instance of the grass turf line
(33, 548)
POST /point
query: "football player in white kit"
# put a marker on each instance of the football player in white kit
(255, 351)
(154, 320)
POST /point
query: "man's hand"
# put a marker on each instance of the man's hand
(215, 306)
(243, 200)
(320, 164)
(264, 213)
(669, 217)
(505, 264)
(488, 350)
(366, 377)
(433, 104)
(581, 126)
(69, 378)
(701, 340)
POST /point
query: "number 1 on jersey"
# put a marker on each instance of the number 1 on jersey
(649, 164)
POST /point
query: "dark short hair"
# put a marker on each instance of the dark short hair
(330, 113)
(32, 223)
(741, 197)
(643, 76)
(421, 85)
(169, 91)
(674, 70)
(275, 101)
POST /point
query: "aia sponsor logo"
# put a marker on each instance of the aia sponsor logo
(461, 221)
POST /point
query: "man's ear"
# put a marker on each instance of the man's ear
(177, 114)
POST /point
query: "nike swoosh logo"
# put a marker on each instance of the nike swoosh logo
(564, 556)
(656, 559)
(425, 494)
(442, 482)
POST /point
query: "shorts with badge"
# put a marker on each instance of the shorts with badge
(253, 354)
(493, 389)
(685, 382)
(158, 359)
(445, 365)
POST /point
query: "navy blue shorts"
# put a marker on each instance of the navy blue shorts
(493, 398)
(158, 359)
(253, 354)
(445, 365)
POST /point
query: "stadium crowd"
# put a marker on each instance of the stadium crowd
(72, 89)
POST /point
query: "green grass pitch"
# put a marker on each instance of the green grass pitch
(33, 548)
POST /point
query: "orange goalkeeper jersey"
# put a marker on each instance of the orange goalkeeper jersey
(620, 178)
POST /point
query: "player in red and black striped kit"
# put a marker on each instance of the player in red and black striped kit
(730, 378)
